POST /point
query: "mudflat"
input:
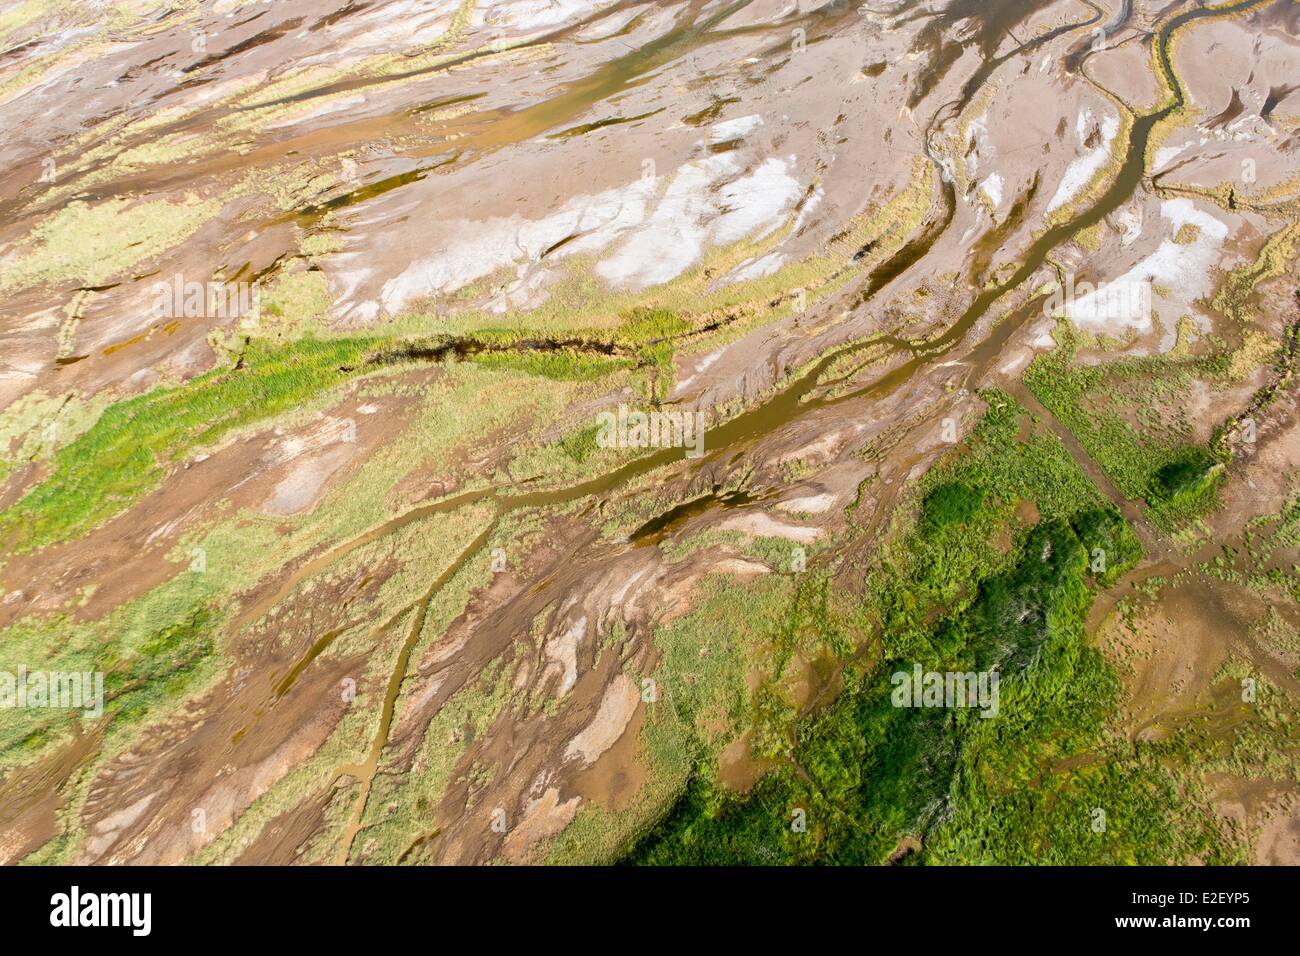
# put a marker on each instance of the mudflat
(523, 431)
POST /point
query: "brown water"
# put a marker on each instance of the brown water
(365, 771)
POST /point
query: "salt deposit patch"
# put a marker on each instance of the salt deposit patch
(766, 526)
(702, 365)
(533, 14)
(485, 247)
(301, 488)
(695, 212)
(812, 504)
(656, 231)
(809, 206)
(978, 147)
(756, 268)
(992, 188)
(612, 717)
(1080, 172)
(1166, 153)
(1183, 269)
(736, 128)
(562, 650)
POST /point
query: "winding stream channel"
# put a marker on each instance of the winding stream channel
(803, 395)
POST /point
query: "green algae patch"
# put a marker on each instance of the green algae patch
(565, 365)
(869, 781)
(296, 303)
(36, 424)
(1131, 417)
(86, 244)
(125, 454)
(866, 781)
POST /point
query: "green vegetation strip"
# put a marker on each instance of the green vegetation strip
(126, 453)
